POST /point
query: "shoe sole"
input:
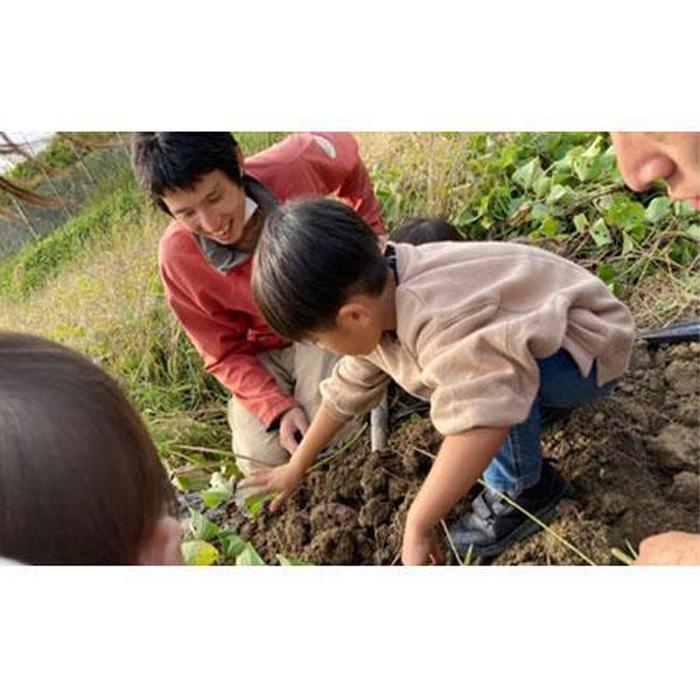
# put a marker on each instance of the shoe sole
(529, 527)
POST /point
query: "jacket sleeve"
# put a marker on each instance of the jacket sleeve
(355, 387)
(220, 337)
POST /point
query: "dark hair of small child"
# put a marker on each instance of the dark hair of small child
(312, 255)
(175, 160)
(80, 478)
(422, 230)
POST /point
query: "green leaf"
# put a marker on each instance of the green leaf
(627, 243)
(659, 209)
(486, 222)
(191, 479)
(231, 544)
(527, 174)
(605, 202)
(625, 214)
(249, 557)
(550, 227)
(540, 212)
(221, 490)
(291, 561)
(541, 185)
(199, 553)
(561, 194)
(251, 506)
(694, 231)
(202, 528)
(581, 223)
(606, 273)
(600, 233)
(212, 498)
(683, 251)
(684, 209)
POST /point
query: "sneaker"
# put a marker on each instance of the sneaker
(550, 416)
(494, 525)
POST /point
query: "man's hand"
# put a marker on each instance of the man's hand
(420, 547)
(284, 479)
(669, 548)
(292, 424)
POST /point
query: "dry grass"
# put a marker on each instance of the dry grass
(99, 300)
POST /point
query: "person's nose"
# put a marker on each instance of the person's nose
(209, 221)
(655, 167)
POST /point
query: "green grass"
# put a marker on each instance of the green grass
(30, 269)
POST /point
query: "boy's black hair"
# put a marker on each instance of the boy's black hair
(425, 230)
(312, 255)
(169, 160)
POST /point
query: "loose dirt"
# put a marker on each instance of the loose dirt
(632, 458)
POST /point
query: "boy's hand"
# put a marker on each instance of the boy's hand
(292, 424)
(420, 547)
(284, 479)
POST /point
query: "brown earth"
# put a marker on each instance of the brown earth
(633, 459)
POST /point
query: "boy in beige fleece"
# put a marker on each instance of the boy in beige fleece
(492, 334)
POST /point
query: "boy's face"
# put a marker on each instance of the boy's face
(673, 156)
(214, 207)
(357, 330)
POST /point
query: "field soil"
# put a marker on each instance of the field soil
(632, 458)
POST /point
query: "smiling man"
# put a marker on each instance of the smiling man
(219, 202)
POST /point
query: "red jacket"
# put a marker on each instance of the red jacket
(217, 309)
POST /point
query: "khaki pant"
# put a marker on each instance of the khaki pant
(299, 370)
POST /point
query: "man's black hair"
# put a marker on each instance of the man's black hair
(425, 230)
(312, 256)
(170, 160)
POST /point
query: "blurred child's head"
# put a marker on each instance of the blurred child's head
(425, 230)
(80, 479)
(319, 276)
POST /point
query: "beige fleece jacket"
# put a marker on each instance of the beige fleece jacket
(472, 319)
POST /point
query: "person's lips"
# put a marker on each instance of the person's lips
(223, 236)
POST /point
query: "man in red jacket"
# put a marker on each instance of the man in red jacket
(219, 202)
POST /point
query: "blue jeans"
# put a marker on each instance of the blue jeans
(518, 464)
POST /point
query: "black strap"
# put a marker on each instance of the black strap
(390, 255)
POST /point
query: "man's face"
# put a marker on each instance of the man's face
(214, 207)
(673, 156)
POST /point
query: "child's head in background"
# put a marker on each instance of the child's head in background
(80, 478)
(425, 230)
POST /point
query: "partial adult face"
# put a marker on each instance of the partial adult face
(673, 156)
(214, 207)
